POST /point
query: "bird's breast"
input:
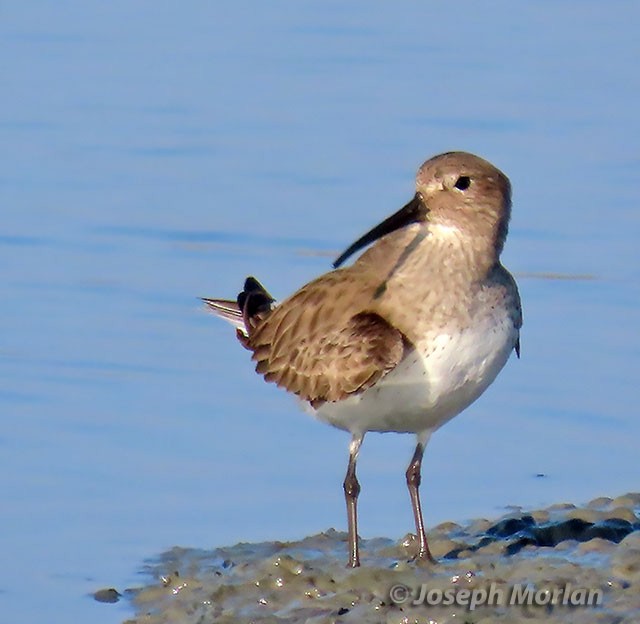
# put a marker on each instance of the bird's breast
(448, 368)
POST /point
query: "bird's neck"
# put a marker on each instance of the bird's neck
(450, 249)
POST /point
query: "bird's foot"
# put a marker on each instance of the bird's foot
(424, 559)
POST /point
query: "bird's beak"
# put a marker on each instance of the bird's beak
(413, 212)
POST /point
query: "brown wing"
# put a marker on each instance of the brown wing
(320, 346)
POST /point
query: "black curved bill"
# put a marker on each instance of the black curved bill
(410, 213)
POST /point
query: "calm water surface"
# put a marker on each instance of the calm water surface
(156, 152)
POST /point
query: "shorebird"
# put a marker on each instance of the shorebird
(407, 336)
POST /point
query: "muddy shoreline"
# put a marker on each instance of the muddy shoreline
(559, 564)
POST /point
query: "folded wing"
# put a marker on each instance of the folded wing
(312, 346)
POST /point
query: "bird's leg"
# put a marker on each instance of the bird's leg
(351, 491)
(413, 483)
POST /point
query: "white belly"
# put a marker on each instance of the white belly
(431, 385)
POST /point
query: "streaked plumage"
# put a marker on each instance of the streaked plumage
(411, 333)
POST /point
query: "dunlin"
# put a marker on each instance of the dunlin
(411, 333)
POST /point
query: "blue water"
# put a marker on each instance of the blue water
(157, 152)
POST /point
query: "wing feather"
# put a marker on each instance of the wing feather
(321, 350)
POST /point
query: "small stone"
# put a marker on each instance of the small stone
(447, 528)
(509, 526)
(540, 516)
(440, 548)
(601, 502)
(479, 526)
(596, 545)
(107, 595)
(627, 500)
(614, 530)
(588, 515)
(631, 541)
(497, 547)
(572, 529)
(622, 513)
(561, 507)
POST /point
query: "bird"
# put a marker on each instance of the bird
(408, 335)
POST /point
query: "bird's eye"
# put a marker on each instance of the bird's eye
(463, 183)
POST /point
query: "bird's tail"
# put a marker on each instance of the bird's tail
(252, 305)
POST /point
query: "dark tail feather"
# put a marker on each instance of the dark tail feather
(254, 302)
